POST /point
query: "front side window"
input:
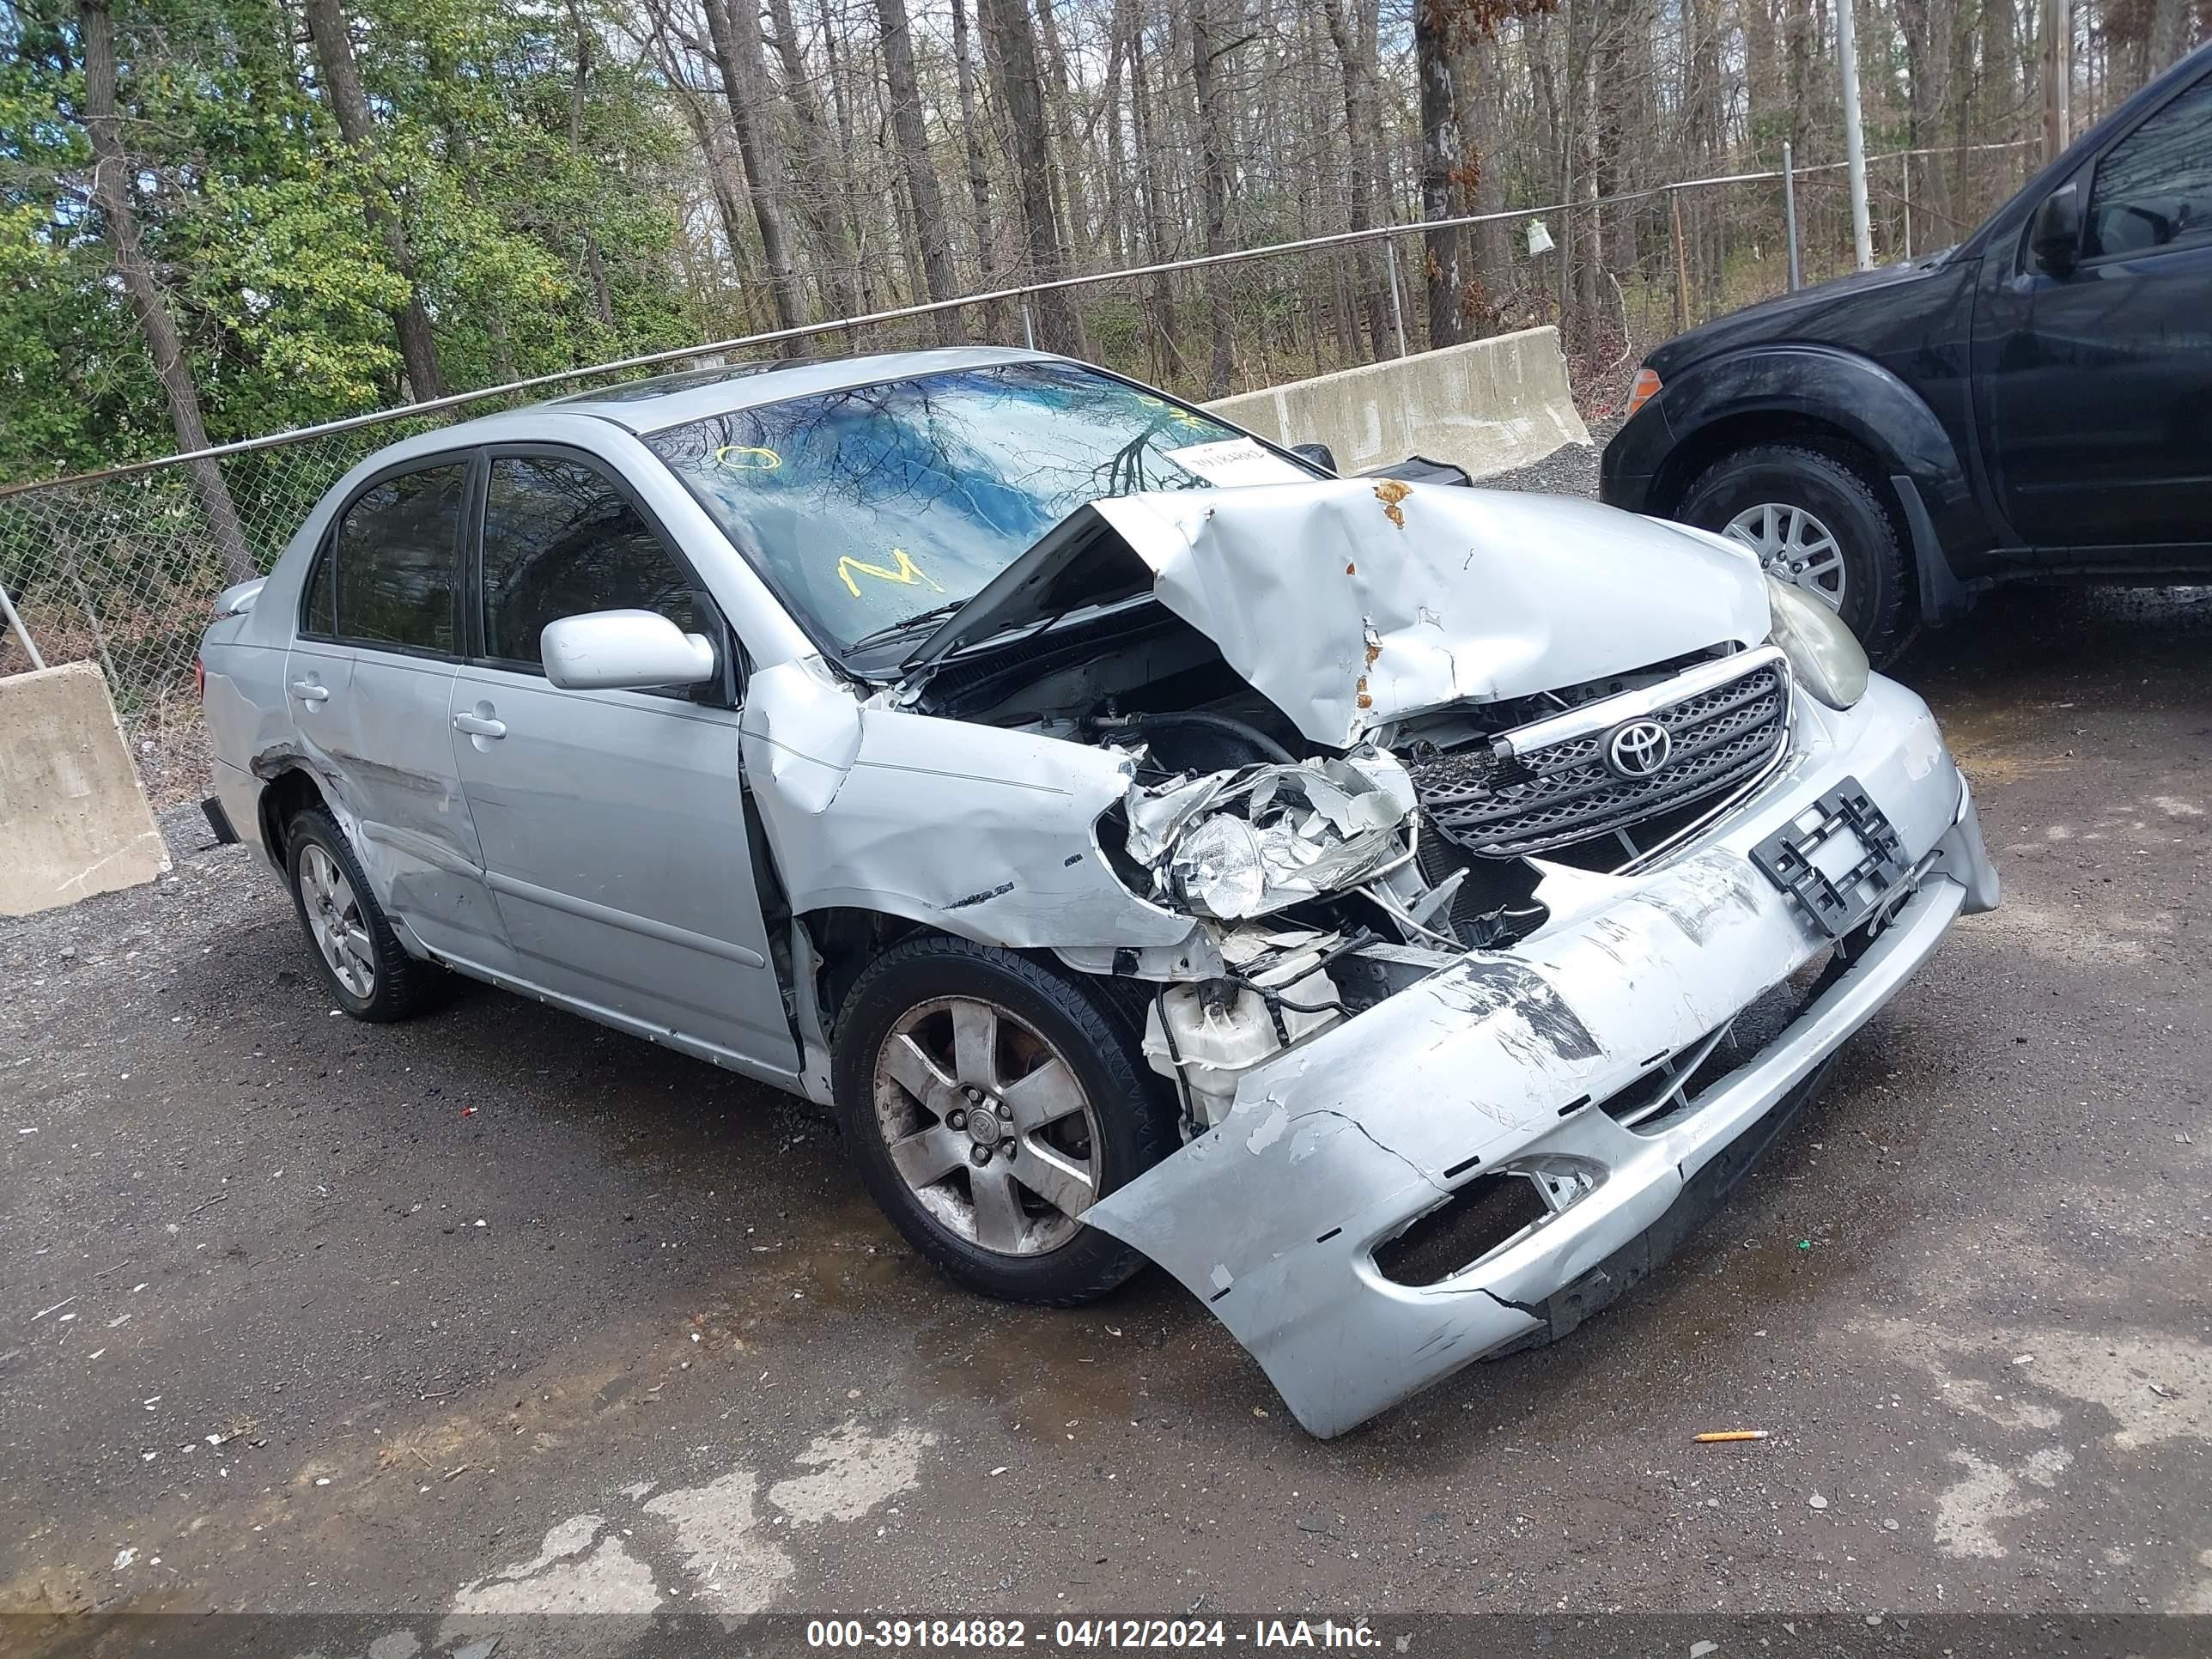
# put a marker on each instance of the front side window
(559, 540)
(878, 506)
(395, 552)
(2153, 188)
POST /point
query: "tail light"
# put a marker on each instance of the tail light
(199, 677)
(1645, 389)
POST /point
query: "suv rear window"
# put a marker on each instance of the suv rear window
(397, 552)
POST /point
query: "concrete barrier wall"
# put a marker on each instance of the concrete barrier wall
(73, 820)
(1489, 405)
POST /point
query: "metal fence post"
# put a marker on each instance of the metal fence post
(1790, 216)
(116, 685)
(16, 625)
(1904, 170)
(1397, 310)
(1681, 260)
(1029, 325)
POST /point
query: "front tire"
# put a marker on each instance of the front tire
(1815, 522)
(364, 966)
(988, 1101)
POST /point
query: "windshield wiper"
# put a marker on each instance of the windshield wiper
(894, 630)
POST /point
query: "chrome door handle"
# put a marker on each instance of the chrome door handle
(308, 691)
(478, 726)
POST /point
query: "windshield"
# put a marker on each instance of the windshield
(874, 508)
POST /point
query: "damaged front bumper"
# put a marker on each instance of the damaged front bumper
(1506, 1063)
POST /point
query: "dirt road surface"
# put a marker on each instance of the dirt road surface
(498, 1311)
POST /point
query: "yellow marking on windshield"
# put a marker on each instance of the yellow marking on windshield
(904, 572)
(1181, 416)
(746, 458)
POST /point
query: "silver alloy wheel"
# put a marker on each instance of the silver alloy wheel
(1795, 547)
(334, 918)
(987, 1124)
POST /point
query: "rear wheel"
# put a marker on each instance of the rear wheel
(988, 1103)
(363, 964)
(1815, 523)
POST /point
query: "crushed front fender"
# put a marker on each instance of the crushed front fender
(1506, 1061)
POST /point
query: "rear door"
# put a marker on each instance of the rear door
(370, 678)
(613, 821)
(2096, 385)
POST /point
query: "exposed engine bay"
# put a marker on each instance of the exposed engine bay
(1331, 877)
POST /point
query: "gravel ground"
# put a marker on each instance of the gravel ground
(1571, 471)
(498, 1309)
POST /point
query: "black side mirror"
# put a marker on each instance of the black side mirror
(2054, 236)
(1320, 454)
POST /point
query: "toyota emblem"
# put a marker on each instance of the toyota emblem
(1639, 749)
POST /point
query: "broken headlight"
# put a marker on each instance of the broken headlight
(1216, 869)
(1824, 653)
(1254, 839)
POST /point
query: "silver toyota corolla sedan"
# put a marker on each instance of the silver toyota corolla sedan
(1399, 910)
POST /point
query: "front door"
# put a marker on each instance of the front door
(2097, 384)
(370, 677)
(613, 822)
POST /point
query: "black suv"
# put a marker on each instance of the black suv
(2035, 402)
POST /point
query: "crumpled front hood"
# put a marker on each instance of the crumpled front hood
(1352, 603)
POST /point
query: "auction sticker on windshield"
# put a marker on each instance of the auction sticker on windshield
(1228, 462)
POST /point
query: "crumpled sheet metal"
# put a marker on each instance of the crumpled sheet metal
(1320, 825)
(1353, 603)
(983, 832)
(1271, 1216)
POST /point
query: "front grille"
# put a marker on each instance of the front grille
(1565, 791)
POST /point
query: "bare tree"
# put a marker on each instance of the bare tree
(110, 195)
(1442, 249)
(1359, 136)
(822, 201)
(1164, 347)
(1014, 56)
(915, 167)
(1206, 56)
(1068, 202)
(737, 53)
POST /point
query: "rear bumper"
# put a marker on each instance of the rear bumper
(238, 797)
(1503, 1063)
(218, 820)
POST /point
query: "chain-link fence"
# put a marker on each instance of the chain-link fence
(119, 567)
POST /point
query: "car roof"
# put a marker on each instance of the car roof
(660, 401)
(654, 403)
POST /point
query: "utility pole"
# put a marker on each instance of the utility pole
(1847, 50)
(2057, 76)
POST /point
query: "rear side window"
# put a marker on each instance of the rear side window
(396, 554)
(2154, 189)
(560, 540)
(323, 599)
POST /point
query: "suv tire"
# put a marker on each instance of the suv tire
(1825, 494)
